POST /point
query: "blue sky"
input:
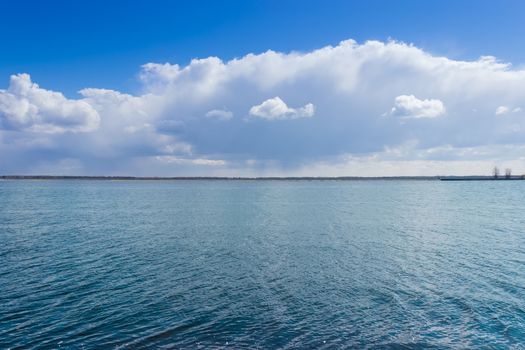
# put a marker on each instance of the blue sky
(306, 123)
(68, 45)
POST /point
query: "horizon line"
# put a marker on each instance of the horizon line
(127, 177)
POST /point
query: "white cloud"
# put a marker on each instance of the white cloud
(275, 108)
(502, 110)
(26, 106)
(220, 114)
(351, 85)
(180, 148)
(409, 106)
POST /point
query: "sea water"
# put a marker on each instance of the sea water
(262, 264)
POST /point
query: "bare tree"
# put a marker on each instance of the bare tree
(495, 172)
(508, 173)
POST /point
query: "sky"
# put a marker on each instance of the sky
(262, 88)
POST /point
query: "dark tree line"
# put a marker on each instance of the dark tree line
(496, 173)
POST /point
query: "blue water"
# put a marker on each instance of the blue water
(262, 264)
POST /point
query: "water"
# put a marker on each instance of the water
(262, 264)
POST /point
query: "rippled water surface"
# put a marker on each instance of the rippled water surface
(262, 264)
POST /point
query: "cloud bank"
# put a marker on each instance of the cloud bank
(376, 108)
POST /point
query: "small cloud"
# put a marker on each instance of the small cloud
(502, 110)
(178, 147)
(410, 107)
(220, 114)
(276, 109)
(132, 129)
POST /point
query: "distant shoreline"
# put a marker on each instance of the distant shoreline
(175, 178)
(277, 178)
(481, 178)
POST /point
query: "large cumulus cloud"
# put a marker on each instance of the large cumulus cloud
(338, 107)
(26, 106)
